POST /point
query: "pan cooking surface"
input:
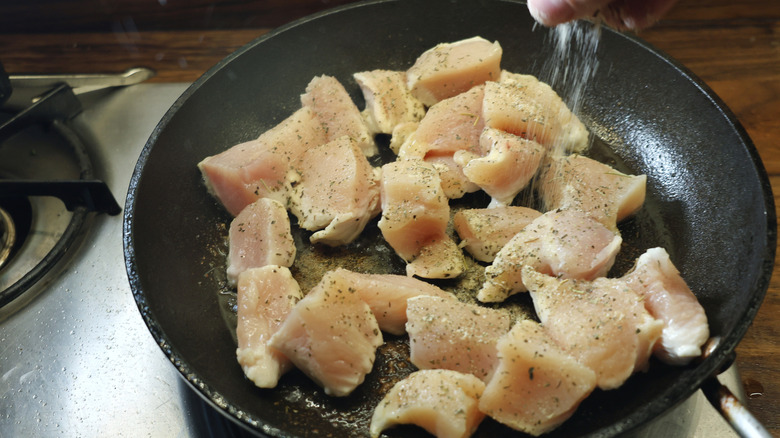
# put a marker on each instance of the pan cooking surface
(649, 116)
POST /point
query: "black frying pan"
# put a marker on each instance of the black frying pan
(709, 202)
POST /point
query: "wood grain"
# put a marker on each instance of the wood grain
(734, 47)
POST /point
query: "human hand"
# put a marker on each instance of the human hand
(620, 14)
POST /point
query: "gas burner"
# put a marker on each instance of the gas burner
(47, 190)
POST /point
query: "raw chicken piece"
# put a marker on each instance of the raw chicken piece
(668, 298)
(508, 167)
(331, 335)
(388, 100)
(386, 295)
(454, 183)
(603, 324)
(337, 113)
(576, 181)
(484, 231)
(266, 296)
(260, 235)
(529, 108)
(443, 402)
(415, 213)
(401, 134)
(338, 192)
(536, 386)
(445, 333)
(454, 124)
(449, 69)
(263, 167)
(564, 243)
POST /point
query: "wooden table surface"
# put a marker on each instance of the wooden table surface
(733, 46)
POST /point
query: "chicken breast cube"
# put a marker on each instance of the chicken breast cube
(338, 192)
(445, 333)
(454, 182)
(415, 214)
(484, 231)
(449, 126)
(668, 298)
(263, 167)
(536, 386)
(266, 296)
(449, 69)
(580, 182)
(337, 113)
(389, 102)
(603, 324)
(564, 243)
(508, 167)
(443, 402)
(331, 335)
(260, 235)
(386, 296)
(524, 106)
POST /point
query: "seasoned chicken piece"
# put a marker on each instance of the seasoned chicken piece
(337, 113)
(415, 213)
(443, 402)
(388, 101)
(536, 386)
(579, 182)
(260, 235)
(564, 243)
(524, 106)
(331, 335)
(667, 297)
(454, 183)
(401, 134)
(449, 126)
(484, 231)
(449, 69)
(386, 296)
(445, 333)
(338, 192)
(263, 167)
(508, 167)
(603, 324)
(266, 296)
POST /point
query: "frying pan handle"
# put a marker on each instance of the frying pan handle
(735, 413)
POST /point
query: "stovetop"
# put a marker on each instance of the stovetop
(76, 358)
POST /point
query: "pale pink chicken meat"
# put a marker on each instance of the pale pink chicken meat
(266, 296)
(452, 125)
(449, 69)
(524, 106)
(603, 324)
(445, 333)
(389, 102)
(669, 298)
(453, 181)
(484, 231)
(445, 403)
(262, 167)
(575, 181)
(507, 168)
(260, 235)
(536, 386)
(564, 243)
(331, 335)
(387, 294)
(337, 113)
(338, 192)
(415, 214)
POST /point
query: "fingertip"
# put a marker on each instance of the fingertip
(550, 12)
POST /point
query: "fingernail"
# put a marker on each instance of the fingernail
(550, 12)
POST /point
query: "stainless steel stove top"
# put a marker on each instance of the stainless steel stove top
(76, 358)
